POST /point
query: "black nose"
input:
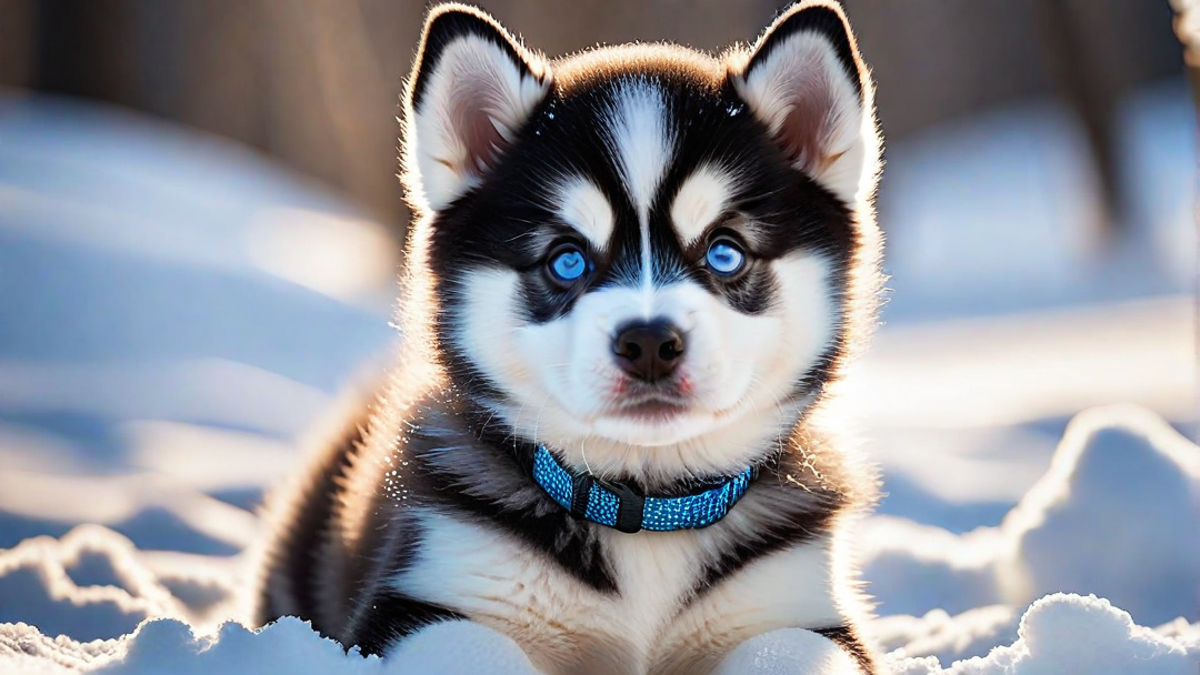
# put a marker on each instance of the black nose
(648, 351)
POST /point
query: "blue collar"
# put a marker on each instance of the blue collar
(621, 506)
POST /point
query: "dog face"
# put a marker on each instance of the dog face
(642, 256)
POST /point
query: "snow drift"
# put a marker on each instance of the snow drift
(1116, 515)
(1059, 633)
(1072, 634)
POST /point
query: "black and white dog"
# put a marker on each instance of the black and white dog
(634, 276)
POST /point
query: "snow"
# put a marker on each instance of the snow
(1071, 633)
(1118, 514)
(1059, 633)
(287, 646)
(193, 309)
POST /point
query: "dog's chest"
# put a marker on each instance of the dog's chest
(567, 626)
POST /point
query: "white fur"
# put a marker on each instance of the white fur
(701, 199)
(642, 143)
(487, 574)
(494, 578)
(497, 581)
(584, 207)
(560, 375)
(473, 77)
(804, 72)
(792, 588)
(768, 594)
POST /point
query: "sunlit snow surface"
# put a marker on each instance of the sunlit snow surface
(175, 311)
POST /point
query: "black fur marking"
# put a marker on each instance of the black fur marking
(266, 611)
(304, 540)
(391, 617)
(553, 531)
(464, 371)
(819, 375)
(845, 637)
(387, 537)
(450, 24)
(818, 19)
(781, 533)
(796, 530)
(298, 549)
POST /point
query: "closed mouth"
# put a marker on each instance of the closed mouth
(652, 408)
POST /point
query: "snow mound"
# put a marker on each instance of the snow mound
(162, 646)
(88, 585)
(949, 638)
(1060, 633)
(1064, 633)
(1116, 515)
(93, 583)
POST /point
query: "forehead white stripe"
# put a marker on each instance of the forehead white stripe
(584, 207)
(642, 144)
(701, 199)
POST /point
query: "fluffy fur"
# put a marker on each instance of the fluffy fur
(640, 159)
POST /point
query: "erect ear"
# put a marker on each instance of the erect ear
(472, 88)
(805, 81)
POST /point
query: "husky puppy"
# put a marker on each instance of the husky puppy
(633, 277)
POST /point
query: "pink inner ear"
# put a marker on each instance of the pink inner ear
(477, 133)
(475, 99)
(806, 127)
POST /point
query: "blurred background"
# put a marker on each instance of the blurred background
(200, 225)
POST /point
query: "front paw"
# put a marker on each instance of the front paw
(789, 651)
(458, 648)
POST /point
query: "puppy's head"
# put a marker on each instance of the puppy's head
(644, 257)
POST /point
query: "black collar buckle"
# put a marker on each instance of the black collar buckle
(631, 505)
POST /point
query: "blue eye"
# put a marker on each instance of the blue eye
(568, 264)
(725, 258)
